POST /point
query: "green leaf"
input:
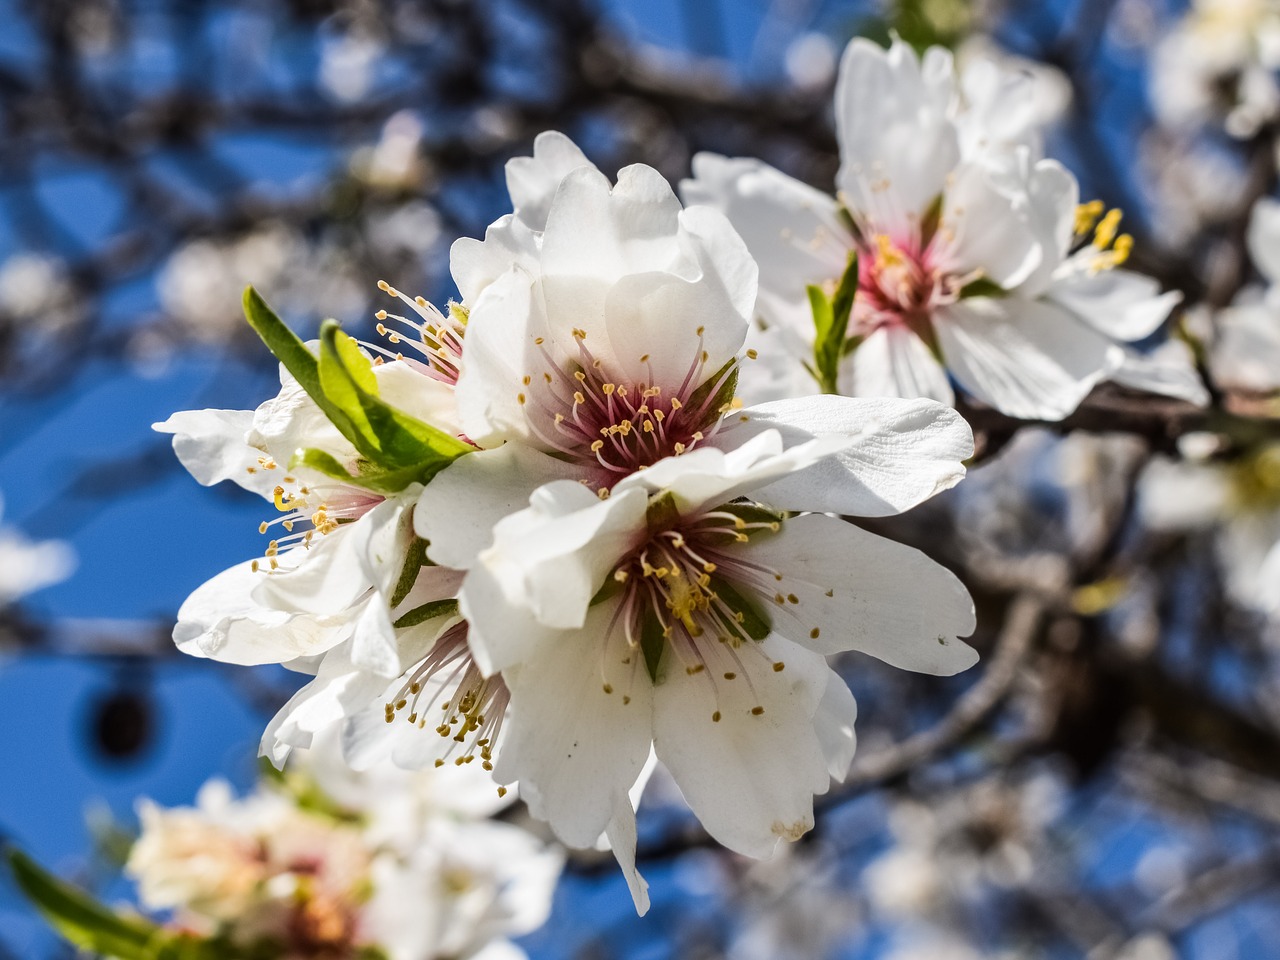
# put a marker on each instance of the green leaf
(283, 343)
(652, 644)
(428, 611)
(751, 621)
(831, 324)
(81, 919)
(389, 437)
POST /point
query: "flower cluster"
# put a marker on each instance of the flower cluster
(543, 533)
(321, 863)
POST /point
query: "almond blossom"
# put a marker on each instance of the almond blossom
(971, 263)
(322, 863)
(681, 614)
(1245, 353)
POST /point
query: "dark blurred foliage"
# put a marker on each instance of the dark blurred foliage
(1105, 784)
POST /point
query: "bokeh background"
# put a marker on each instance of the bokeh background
(1110, 783)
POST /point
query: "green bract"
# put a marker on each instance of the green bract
(396, 448)
(831, 325)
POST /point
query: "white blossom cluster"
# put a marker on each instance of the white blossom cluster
(589, 516)
(327, 862)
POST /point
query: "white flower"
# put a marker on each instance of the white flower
(675, 615)
(1218, 65)
(27, 566)
(388, 862)
(1245, 355)
(964, 242)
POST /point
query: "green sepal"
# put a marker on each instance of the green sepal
(87, 924)
(831, 324)
(652, 644)
(754, 623)
(662, 513)
(751, 512)
(723, 393)
(285, 346)
(931, 220)
(398, 449)
(428, 611)
(415, 559)
(389, 437)
(982, 287)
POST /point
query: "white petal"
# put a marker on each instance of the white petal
(834, 722)
(1169, 370)
(794, 231)
(1246, 355)
(749, 779)
(894, 362)
(1026, 358)
(475, 264)
(901, 452)
(339, 690)
(622, 841)
(552, 557)
(710, 476)
(211, 444)
(501, 329)
(406, 387)
(291, 421)
(221, 620)
(575, 749)
(985, 230)
(330, 575)
(1122, 304)
(532, 181)
(857, 591)
(896, 144)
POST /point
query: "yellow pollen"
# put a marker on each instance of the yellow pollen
(1107, 228)
(1087, 215)
(888, 254)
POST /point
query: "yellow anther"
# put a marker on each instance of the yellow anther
(715, 717)
(757, 711)
(1087, 215)
(731, 676)
(607, 389)
(752, 354)
(1106, 231)
(578, 397)
(779, 667)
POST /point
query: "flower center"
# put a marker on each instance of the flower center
(587, 416)
(690, 597)
(469, 706)
(900, 281)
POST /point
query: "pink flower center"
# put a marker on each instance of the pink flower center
(902, 281)
(615, 428)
